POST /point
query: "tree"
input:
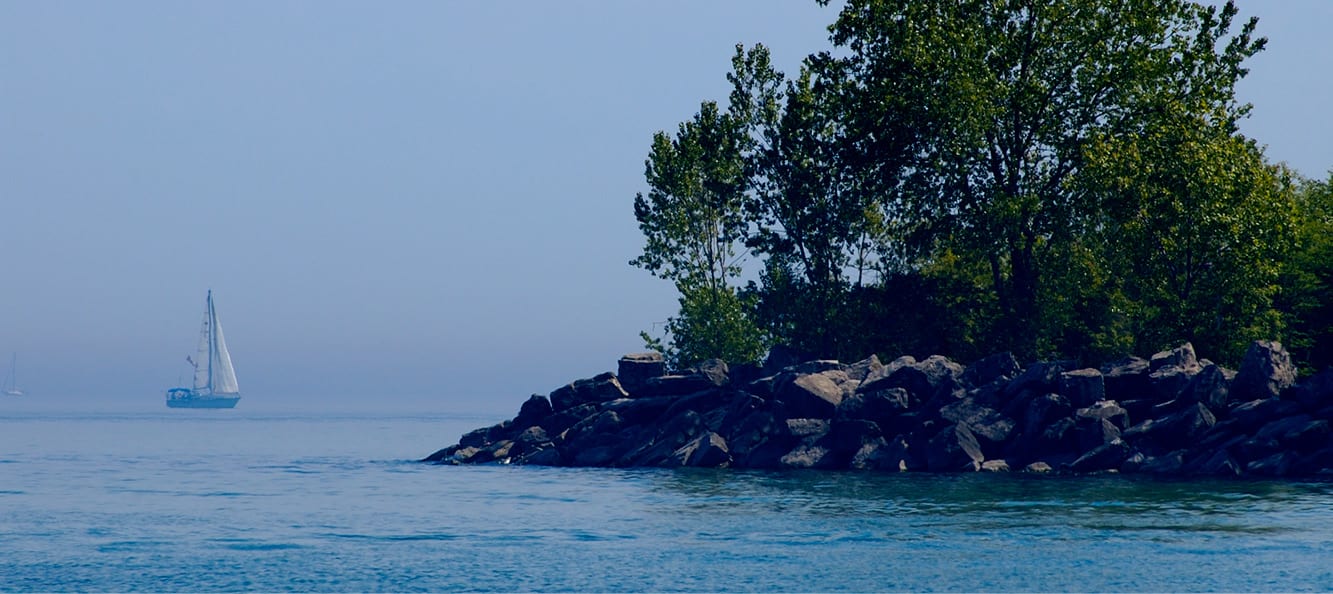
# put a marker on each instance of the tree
(1306, 295)
(976, 117)
(809, 218)
(692, 221)
(1197, 225)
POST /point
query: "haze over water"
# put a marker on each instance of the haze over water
(428, 201)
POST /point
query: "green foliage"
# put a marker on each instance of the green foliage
(713, 323)
(994, 102)
(1306, 294)
(692, 220)
(1060, 179)
(1198, 223)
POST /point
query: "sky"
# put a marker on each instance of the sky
(408, 205)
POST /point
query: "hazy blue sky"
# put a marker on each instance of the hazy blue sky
(405, 204)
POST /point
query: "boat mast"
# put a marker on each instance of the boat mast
(212, 339)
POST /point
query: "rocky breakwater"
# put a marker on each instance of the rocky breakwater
(1172, 414)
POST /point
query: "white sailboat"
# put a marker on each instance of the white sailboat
(214, 377)
(12, 381)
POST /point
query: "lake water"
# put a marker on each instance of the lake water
(248, 501)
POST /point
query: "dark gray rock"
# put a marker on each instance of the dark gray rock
(601, 388)
(1211, 387)
(845, 438)
(1108, 410)
(995, 466)
(1037, 467)
(1037, 378)
(1265, 372)
(1255, 413)
(1275, 465)
(1127, 380)
(536, 408)
(1105, 457)
(1044, 410)
(871, 456)
(675, 385)
(658, 450)
(1095, 433)
(954, 449)
(864, 368)
(1315, 393)
(637, 411)
(1083, 387)
(817, 366)
(1169, 464)
(809, 456)
(440, 455)
(985, 423)
(813, 395)
(563, 420)
(935, 377)
(1181, 356)
(1176, 431)
(1219, 463)
(543, 457)
(706, 451)
(1169, 383)
(635, 369)
(715, 371)
(1299, 432)
(999, 367)
(807, 428)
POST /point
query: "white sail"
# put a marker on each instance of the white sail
(224, 376)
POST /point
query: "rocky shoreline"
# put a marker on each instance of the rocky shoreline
(1172, 414)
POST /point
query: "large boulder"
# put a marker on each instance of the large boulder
(1265, 372)
(1255, 413)
(601, 388)
(1127, 379)
(1171, 371)
(1000, 367)
(715, 371)
(666, 439)
(813, 395)
(1210, 387)
(677, 384)
(635, 369)
(1315, 393)
(1178, 430)
(864, 368)
(536, 408)
(936, 377)
(707, 451)
(954, 449)
(986, 424)
(1107, 410)
(1082, 387)
(1039, 378)
(1182, 356)
(1105, 457)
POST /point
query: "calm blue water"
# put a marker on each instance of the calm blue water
(234, 500)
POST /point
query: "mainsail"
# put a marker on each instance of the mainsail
(213, 373)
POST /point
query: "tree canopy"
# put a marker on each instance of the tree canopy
(1053, 178)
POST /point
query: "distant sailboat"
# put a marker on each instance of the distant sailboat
(12, 382)
(214, 377)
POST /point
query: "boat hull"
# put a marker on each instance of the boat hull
(204, 402)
